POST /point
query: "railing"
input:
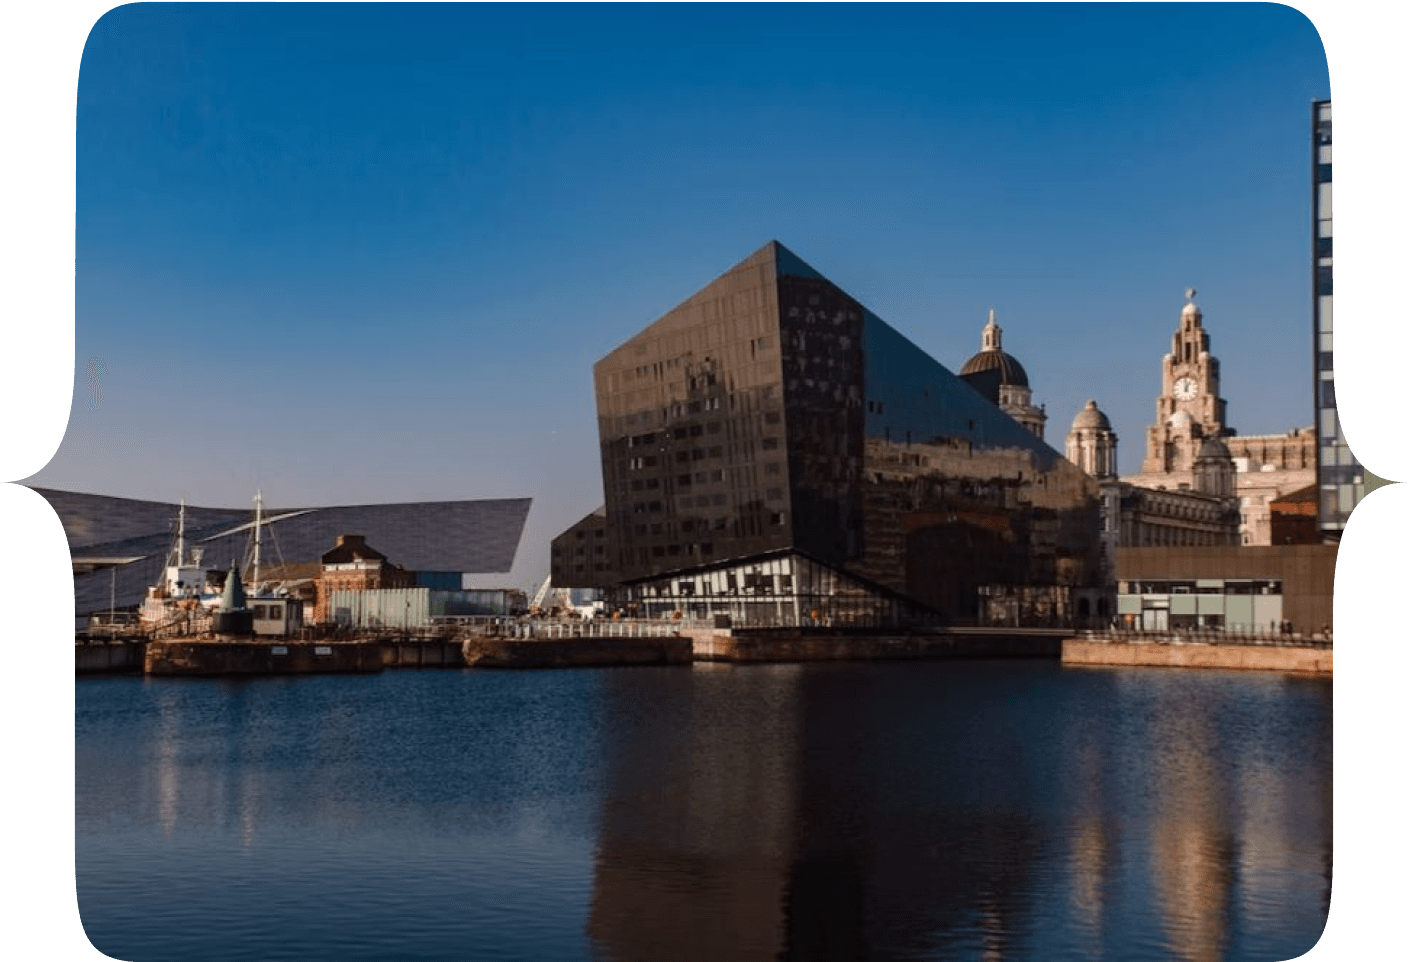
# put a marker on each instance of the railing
(554, 629)
(1204, 636)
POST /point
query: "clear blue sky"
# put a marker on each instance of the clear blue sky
(369, 253)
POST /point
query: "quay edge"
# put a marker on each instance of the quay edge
(1313, 660)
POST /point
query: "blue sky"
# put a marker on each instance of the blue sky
(369, 253)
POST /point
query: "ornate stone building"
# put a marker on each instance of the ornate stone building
(1191, 412)
(1189, 407)
(1270, 466)
(1186, 495)
(998, 376)
(1091, 443)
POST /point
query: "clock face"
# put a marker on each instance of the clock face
(1185, 389)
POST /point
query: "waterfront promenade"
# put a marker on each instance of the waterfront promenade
(543, 643)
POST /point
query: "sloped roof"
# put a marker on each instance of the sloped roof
(466, 536)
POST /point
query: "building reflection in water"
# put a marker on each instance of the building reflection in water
(1089, 851)
(694, 852)
(955, 810)
(1191, 854)
(791, 829)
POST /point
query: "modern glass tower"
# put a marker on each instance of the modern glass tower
(1342, 481)
(774, 452)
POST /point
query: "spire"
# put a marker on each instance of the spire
(233, 597)
(992, 334)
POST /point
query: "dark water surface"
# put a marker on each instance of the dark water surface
(975, 810)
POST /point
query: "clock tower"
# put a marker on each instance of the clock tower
(1190, 408)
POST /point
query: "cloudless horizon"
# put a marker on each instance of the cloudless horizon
(362, 253)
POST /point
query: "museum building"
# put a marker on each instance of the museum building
(774, 453)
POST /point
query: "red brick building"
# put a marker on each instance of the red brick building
(1295, 517)
(352, 565)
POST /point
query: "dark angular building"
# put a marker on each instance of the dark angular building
(773, 451)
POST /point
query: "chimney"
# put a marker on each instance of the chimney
(351, 541)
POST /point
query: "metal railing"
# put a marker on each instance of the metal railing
(545, 629)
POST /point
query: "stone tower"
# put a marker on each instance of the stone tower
(1190, 407)
(1091, 443)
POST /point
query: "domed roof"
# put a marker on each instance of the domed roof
(1213, 448)
(1007, 368)
(1091, 418)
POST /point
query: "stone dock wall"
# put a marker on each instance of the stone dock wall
(785, 645)
(108, 656)
(1149, 654)
(261, 657)
(489, 652)
(741, 646)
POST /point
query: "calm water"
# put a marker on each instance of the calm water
(923, 810)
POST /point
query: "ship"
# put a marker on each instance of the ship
(188, 599)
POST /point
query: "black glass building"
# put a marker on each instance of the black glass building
(773, 451)
(1341, 479)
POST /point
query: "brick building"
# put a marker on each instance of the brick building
(352, 565)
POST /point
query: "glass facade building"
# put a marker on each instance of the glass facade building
(1341, 480)
(773, 451)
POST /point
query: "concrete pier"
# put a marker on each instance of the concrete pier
(499, 652)
(568, 645)
(819, 644)
(251, 657)
(1166, 652)
(99, 655)
(422, 653)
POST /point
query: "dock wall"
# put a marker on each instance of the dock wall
(261, 658)
(422, 654)
(779, 645)
(485, 652)
(103, 656)
(1251, 657)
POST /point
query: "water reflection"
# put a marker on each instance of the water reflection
(919, 811)
(972, 811)
(694, 847)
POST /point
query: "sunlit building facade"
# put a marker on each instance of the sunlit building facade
(1342, 480)
(774, 452)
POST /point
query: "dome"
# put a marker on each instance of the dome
(1006, 367)
(1091, 418)
(1213, 448)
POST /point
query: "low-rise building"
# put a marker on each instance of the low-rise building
(1193, 581)
(352, 565)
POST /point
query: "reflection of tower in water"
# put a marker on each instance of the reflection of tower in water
(1089, 850)
(694, 853)
(1191, 857)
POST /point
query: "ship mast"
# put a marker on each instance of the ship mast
(181, 535)
(258, 520)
